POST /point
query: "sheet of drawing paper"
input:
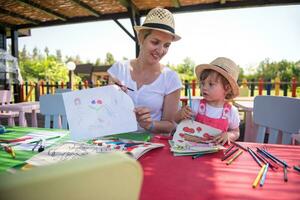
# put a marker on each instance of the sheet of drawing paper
(190, 127)
(98, 112)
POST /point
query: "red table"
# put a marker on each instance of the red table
(168, 177)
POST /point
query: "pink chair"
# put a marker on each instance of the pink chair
(5, 98)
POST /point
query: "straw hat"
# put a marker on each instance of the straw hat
(226, 68)
(159, 19)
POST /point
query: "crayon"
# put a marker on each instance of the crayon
(275, 158)
(197, 155)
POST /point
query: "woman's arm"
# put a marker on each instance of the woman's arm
(170, 108)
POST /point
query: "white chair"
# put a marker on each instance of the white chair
(278, 116)
(5, 98)
(110, 176)
(59, 90)
(52, 107)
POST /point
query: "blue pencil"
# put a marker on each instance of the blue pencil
(263, 178)
(190, 99)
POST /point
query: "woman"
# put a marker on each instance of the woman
(156, 87)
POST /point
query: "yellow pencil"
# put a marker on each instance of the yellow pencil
(234, 157)
(262, 169)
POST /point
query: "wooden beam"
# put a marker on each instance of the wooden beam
(176, 3)
(15, 15)
(86, 7)
(42, 9)
(129, 4)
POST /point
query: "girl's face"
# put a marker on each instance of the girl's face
(213, 90)
(155, 46)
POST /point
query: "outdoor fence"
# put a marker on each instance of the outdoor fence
(31, 91)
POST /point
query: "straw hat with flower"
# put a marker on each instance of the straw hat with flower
(159, 19)
(226, 68)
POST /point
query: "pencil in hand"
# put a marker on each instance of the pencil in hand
(123, 86)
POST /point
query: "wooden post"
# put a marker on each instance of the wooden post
(285, 87)
(186, 87)
(269, 86)
(252, 88)
(277, 85)
(194, 87)
(62, 84)
(294, 86)
(260, 86)
(98, 83)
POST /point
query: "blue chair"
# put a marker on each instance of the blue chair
(52, 107)
(277, 116)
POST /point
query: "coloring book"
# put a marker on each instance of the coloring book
(70, 150)
(193, 128)
(100, 111)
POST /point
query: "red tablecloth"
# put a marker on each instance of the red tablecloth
(169, 177)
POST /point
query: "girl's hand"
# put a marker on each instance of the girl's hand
(143, 117)
(223, 138)
(185, 113)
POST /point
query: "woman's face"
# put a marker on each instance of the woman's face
(155, 46)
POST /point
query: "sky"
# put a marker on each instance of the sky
(247, 36)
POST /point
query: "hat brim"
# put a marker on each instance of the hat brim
(235, 87)
(175, 37)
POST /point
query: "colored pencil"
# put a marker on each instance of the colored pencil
(275, 158)
(123, 86)
(263, 178)
(237, 144)
(234, 157)
(258, 176)
(197, 155)
(229, 154)
(285, 177)
(297, 168)
(272, 164)
(190, 100)
(254, 157)
(228, 149)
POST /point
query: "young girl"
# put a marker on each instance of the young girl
(218, 83)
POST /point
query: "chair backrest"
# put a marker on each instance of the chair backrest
(59, 90)
(110, 176)
(52, 106)
(276, 115)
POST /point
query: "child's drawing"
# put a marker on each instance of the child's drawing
(99, 111)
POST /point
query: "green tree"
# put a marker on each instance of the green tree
(109, 59)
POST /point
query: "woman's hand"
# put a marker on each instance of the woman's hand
(143, 117)
(115, 81)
